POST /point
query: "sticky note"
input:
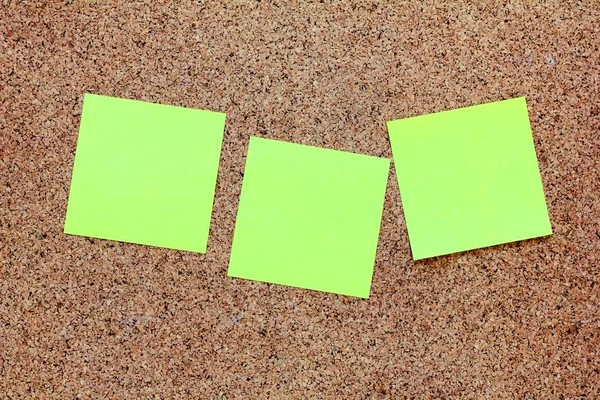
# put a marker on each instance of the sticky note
(145, 173)
(469, 178)
(309, 217)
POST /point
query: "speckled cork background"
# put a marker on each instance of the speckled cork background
(87, 318)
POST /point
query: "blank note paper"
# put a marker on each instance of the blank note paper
(145, 173)
(469, 178)
(309, 217)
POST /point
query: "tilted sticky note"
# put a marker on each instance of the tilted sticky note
(309, 217)
(145, 173)
(469, 178)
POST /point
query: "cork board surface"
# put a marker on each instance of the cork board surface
(86, 318)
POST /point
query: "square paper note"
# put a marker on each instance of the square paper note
(469, 178)
(309, 217)
(145, 173)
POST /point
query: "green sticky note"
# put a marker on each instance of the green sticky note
(145, 173)
(469, 178)
(309, 217)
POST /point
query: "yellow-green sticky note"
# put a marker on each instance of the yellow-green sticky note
(145, 173)
(309, 217)
(469, 178)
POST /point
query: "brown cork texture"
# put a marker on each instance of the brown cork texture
(88, 318)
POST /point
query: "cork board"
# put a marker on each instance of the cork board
(91, 318)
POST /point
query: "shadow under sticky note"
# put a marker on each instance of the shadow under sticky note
(309, 217)
(469, 178)
(145, 173)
